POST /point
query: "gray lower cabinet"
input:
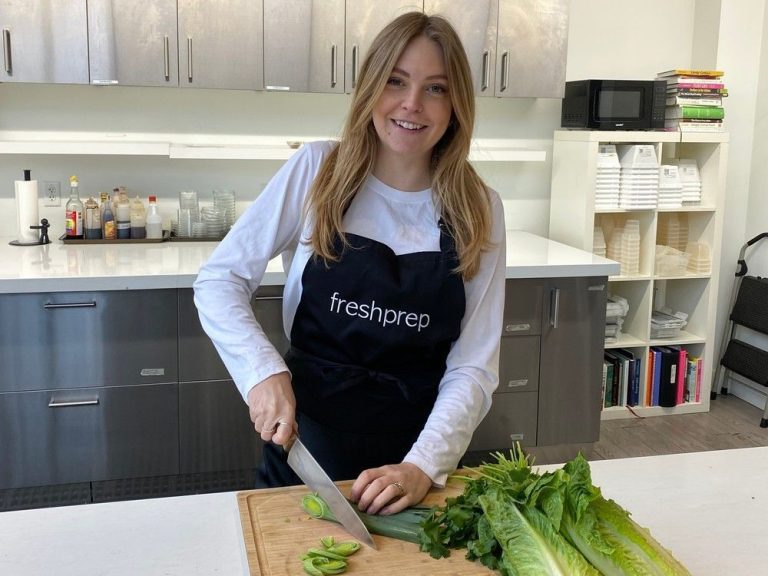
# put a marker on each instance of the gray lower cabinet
(572, 340)
(88, 389)
(88, 434)
(216, 433)
(550, 365)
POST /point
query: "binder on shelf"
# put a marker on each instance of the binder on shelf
(656, 376)
(607, 384)
(682, 363)
(668, 376)
(632, 368)
(616, 380)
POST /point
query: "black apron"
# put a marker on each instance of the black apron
(369, 344)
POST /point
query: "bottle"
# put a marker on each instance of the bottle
(92, 228)
(103, 197)
(110, 227)
(154, 222)
(74, 211)
(138, 219)
(123, 220)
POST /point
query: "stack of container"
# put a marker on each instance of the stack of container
(608, 178)
(616, 310)
(670, 187)
(700, 258)
(673, 230)
(639, 181)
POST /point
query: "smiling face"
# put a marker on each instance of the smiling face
(414, 110)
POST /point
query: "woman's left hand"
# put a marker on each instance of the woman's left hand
(390, 489)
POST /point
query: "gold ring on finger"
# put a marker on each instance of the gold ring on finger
(400, 488)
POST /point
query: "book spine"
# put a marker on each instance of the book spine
(656, 376)
(708, 112)
(682, 365)
(699, 367)
(694, 101)
(692, 84)
(649, 380)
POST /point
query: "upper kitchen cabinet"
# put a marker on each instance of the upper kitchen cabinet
(475, 21)
(220, 44)
(531, 48)
(365, 18)
(304, 45)
(133, 43)
(44, 41)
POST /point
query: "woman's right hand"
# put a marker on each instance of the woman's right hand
(272, 407)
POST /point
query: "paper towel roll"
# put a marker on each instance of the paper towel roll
(26, 211)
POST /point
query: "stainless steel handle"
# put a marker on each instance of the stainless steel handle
(167, 54)
(189, 58)
(268, 298)
(333, 65)
(53, 306)
(517, 383)
(486, 71)
(554, 307)
(7, 51)
(504, 70)
(517, 327)
(54, 404)
(354, 66)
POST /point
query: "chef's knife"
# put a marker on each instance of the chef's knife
(313, 475)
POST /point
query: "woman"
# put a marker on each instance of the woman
(394, 251)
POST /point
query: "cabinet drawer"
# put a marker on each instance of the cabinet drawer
(66, 436)
(215, 430)
(519, 364)
(522, 307)
(198, 358)
(87, 339)
(512, 417)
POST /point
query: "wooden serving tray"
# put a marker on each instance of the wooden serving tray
(277, 532)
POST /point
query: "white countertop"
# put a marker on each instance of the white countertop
(59, 267)
(708, 508)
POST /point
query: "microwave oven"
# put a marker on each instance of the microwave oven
(614, 104)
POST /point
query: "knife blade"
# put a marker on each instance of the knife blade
(312, 474)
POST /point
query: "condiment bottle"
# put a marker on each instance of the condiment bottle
(138, 219)
(92, 220)
(74, 211)
(123, 219)
(154, 220)
(110, 227)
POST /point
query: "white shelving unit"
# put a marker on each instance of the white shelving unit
(572, 221)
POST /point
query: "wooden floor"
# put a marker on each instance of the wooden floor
(730, 423)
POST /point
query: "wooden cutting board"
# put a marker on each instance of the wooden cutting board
(277, 532)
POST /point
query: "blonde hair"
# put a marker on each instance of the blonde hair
(460, 194)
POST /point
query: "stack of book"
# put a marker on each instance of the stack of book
(694, 100)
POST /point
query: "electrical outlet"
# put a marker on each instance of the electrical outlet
(52, 193)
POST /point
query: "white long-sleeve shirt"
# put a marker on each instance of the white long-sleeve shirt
(405, 221)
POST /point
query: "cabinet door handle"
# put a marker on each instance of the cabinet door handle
(486, 71)
(53, 306)
(189, 58)
(333, 65)
(354, 66)
(504, 70)
(517, 327)
(268, 298)
(7, 51)
(515, 436)
(53, 403)
(554, 307)
(167, 58)
(517, 383)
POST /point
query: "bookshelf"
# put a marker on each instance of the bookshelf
(572, 220)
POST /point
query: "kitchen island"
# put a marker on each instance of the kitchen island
(103, 351)
(708, 508)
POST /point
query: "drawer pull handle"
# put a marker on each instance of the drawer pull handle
(55, 404)
(517, 436)
(268, 298)
(166, 58)
(554, 307)
(189, 59)
(517, 383)
(485, 74)
(354, 66)
(7, 51)
(53, 306)
(517, 327)
(333, 66)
